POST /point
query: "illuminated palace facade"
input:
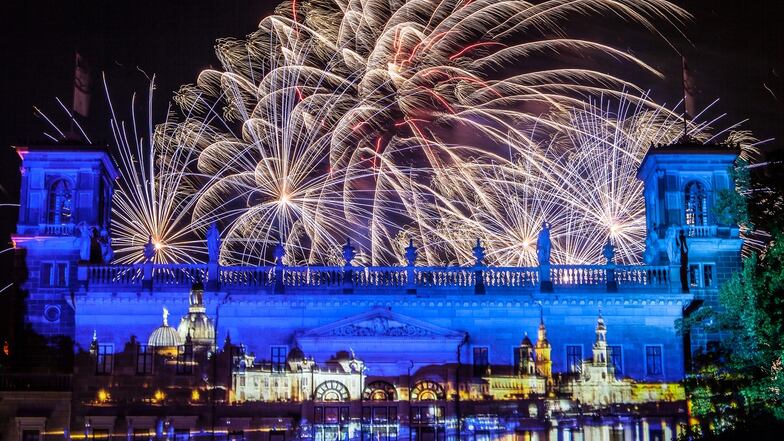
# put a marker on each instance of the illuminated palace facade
(180, 351)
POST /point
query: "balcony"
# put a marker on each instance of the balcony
(182, 276)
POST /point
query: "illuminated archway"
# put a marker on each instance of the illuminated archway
(331, 391)
(379, 391)
(427, 390)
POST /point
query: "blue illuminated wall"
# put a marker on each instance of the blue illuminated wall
(391, 329)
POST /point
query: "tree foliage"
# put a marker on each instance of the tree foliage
(739, 381)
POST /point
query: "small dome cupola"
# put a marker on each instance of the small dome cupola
(165, 336)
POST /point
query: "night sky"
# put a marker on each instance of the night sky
(736, 55)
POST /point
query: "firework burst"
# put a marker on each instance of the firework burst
(326, 121)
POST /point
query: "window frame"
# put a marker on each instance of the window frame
(145, 353)
(700, 275)
(611, 353)
(578, 365)
(479, 370)
(104, 359)
(660, 354)
(53, 280)
(278, 361)
(704, 215)
(53, 215)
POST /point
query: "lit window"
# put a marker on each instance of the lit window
(696, 199)
(60, 196)
(653, 360)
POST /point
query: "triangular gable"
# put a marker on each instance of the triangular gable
(381, 322)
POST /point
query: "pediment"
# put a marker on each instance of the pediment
(383, 323)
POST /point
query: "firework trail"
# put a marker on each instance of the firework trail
(329, 120)
(583, 182)
(156, 191)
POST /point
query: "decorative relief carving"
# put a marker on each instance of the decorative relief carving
(381, 326)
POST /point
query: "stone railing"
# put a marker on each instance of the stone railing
(56, 229)
(701, 230)
(349, 278)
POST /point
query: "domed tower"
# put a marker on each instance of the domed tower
(544, 364)
(196, 323)
(525, 359)
(165, 338)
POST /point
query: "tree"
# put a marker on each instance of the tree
(738, 384)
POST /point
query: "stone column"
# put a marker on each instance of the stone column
(628, 431)
(667, 433)
(645, 429)
(552, 432)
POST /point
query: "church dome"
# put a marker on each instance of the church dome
(164, 335)
(526, 341)
(199, 327)
(196, 323)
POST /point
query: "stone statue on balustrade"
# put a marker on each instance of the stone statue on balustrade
(544, 245)
(213, 243)
(105, 241)
(149, 250)
(349, 253)
(543, 248)
(85, 241)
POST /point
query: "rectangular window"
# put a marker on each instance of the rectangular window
(481, 361)
(616, 358)
(278, 356)
(104, 362)
(144, 356)
(185, 360)
(694, 275)
(707, 276)
(653, 360)
(54, 274)
(574, 358)
(182, 435)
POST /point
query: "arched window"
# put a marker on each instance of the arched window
(696, 204)
(427, 391)
(379, 391)
(60, 202)
(331, 391)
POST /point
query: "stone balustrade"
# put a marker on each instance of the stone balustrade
(179, 276)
